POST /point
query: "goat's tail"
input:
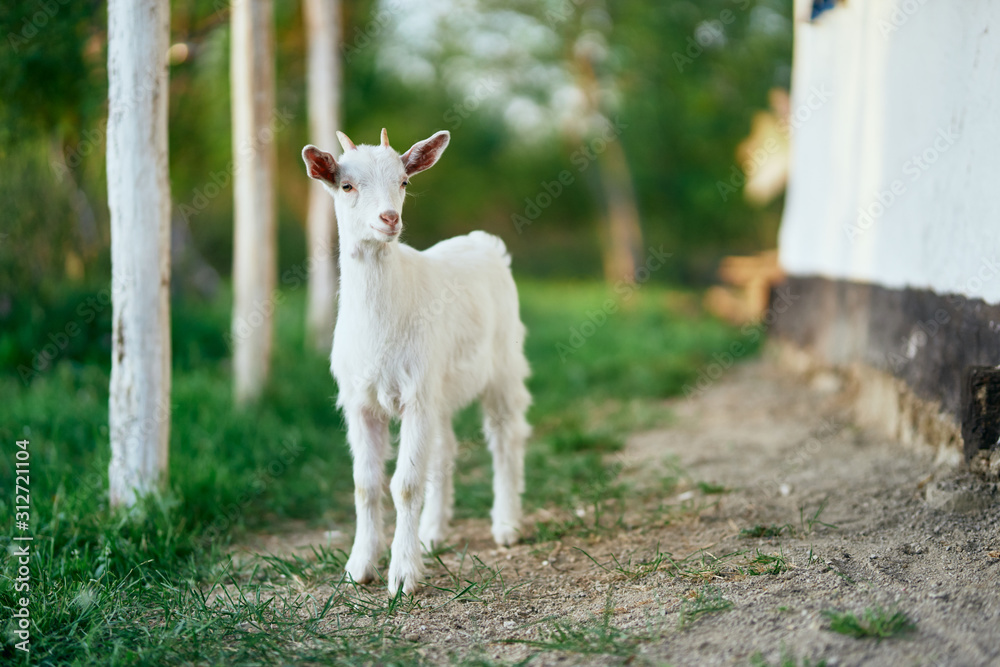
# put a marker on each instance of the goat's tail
(494, 243)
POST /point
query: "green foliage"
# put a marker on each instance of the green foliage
(683, 124)
(692, 108)
(874, 622)
(50, 67)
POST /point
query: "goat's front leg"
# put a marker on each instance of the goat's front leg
(416, 437)
(368, 435)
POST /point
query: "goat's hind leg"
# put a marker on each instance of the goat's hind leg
(507, 431)
(368, 435)
(439, 498)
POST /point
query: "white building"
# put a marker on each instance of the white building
(891, 230)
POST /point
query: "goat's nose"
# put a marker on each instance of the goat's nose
(390, 218)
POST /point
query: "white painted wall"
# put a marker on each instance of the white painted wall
(912, 92)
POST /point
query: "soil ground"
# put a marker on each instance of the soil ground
(857, 523)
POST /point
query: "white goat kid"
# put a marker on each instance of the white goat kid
(419, 335)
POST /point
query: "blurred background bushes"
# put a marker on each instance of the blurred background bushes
(683, 79)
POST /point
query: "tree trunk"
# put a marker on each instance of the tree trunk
(139, 203)
(252, 75)
(621, 233)
(623, 249)
(323, 29)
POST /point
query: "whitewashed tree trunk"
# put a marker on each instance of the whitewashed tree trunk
(252, 76)
(139, 203)
(323, 33)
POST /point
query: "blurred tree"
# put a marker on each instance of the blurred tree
(52, 97)
(254, 252)
(693, 76)
(545, 68)
(139, 199)
(621, 232)
(681, 80)
(322, 18)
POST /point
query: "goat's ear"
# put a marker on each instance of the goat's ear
(423, 154)
(320, 165)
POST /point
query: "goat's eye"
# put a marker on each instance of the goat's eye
(405, 183)
(347, 187)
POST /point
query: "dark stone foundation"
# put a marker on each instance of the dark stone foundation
(930, 341)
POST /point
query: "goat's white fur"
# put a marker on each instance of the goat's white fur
(419, 335)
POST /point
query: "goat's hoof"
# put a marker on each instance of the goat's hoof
(360, 570)
(506, 536)
(405, 577)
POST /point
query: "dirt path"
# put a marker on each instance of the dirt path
(861, 523)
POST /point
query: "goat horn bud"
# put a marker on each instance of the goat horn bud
(346, 142)
(385, 138)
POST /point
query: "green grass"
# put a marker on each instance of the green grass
(708, 600)
(763, 563)
(597, 637)
(158, 585)
(808, 523)
(876, 622)
(479, 583)
(767, 531)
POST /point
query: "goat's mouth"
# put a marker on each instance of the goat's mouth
(391, 233)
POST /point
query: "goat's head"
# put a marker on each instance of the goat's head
(368, 183)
